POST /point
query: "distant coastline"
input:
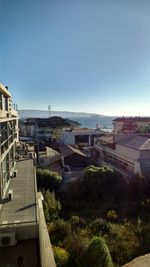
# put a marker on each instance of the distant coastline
(25, 113)
(86, 120)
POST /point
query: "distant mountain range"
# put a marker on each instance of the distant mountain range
(26, 113)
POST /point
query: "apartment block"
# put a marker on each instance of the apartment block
(8, 139)
(24, 239)
(131, 125)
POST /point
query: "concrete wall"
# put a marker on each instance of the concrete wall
(142, 261)
(117, 127)
(24, 231)
(51, 156)
(3, 113)
(46, 252)
(122, 154)
(68, 138)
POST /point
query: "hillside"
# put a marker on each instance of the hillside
(25, 113)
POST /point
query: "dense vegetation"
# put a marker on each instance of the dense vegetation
(101, 220)
(47, 179)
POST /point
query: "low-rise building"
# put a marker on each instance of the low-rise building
(45, 129)
(81, 137)
(73, 159)
(129, 154)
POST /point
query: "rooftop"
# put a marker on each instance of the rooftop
(23, 206)
(136, 142)
(51, 121)
(67, 150)
(84, 130)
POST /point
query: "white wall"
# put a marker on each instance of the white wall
(68, 138)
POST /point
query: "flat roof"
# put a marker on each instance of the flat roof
(22, 208)
(76, 130)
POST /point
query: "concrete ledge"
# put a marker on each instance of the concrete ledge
(46, 252)
(142, 261)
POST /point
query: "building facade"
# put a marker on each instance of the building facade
(128, 148)
(131, 125)
(45, 129)
(81, 137)
(8, 139)
(128, 154)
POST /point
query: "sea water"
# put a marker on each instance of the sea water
(93, 122)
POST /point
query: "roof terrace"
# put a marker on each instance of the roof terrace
(22, 219)
(22, 208)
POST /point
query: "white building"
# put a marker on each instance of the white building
(8, 139)
(81, 137)
(129, 154)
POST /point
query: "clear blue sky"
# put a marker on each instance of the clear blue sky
(77, 55)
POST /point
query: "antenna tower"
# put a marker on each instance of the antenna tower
(49, 110)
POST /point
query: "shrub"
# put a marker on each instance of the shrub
(103, 182)
(48, 179)
(61, 256)
(123, 242)
(77, 245)
(52, 206)
(98, 226)
(112, 215)
(59, 231)
(97, 254)
(74, 222)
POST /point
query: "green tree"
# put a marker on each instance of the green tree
(47, 179)
(103, 183)
(97, 254)
(52, 206)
